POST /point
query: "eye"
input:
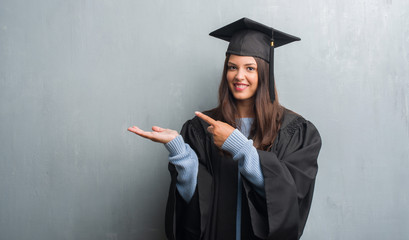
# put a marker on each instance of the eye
(251, 68)
(231, 67)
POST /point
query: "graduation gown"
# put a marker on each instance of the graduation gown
(289, 171)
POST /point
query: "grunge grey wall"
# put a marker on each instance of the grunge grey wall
(74, 75)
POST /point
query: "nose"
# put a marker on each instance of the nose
(240, 74)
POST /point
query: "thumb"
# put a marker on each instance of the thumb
(210, 129)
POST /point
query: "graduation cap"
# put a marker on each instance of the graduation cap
(250, 38)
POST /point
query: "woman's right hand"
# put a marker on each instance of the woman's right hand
(159, 134)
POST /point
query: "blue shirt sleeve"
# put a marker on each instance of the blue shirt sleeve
(246, 154)
(186, 163)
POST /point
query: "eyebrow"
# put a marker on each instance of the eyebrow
(247, 64)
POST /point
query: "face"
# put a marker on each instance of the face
(242, 77)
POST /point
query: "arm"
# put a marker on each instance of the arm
(186, 163)
(289, 172)
(183, 219)
(246, 154)
(230, 139)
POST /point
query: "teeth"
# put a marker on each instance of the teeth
(241, 86)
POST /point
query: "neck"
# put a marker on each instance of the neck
(245, 109)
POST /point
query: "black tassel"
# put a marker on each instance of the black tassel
(271, 73)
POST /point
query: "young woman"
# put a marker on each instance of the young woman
(246, 169)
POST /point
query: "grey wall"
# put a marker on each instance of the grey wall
(75, 74)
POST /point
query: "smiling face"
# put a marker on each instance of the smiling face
(242, 77)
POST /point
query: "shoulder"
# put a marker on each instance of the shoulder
(197, 125)
(295, 133)
(293, 122)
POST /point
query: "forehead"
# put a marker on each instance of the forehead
(236, 59)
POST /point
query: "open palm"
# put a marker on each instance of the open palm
(161, 135)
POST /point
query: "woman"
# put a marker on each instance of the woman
(246, 169)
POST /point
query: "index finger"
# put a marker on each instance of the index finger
(206, 118)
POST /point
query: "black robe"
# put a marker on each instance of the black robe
(289, 171)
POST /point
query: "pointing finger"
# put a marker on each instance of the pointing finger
(206, 118)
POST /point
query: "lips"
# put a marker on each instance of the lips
(240, 86)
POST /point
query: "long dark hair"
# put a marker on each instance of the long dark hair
(267, 116)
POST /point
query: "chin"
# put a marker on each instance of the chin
(243, 98)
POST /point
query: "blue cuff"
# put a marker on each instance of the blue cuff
(235, 142)
(176, 146)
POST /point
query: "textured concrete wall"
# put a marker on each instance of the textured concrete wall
(75, 74)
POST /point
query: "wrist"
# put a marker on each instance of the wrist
(235, 142)
(171, 138)
(176, 145)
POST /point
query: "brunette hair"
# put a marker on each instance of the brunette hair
(267, 115)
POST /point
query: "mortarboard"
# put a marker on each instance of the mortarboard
(250, 38)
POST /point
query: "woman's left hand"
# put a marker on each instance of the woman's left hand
(220, 130)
